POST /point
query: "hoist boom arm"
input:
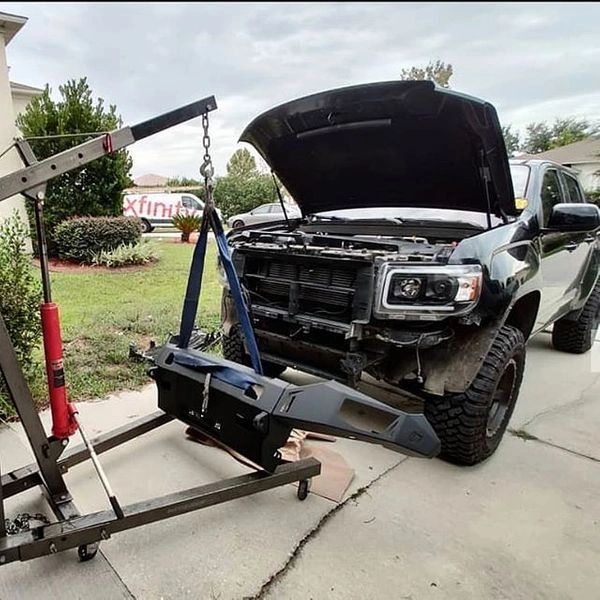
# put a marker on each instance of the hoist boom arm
(41, 172)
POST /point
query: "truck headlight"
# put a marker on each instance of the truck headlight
(426, 292)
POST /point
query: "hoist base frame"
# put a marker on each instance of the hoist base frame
(73, 530)
(84, 532)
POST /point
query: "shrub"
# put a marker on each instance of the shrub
(127, 254)
(81, 238)
(187, 224)
(20, 296)
(593, 196)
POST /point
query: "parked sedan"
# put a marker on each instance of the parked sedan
(263, 214)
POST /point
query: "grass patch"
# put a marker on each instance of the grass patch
(103, 312)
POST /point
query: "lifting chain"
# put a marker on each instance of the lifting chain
(22, 522)
(206, 169)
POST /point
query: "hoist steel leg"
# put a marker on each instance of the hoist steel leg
(46, 450)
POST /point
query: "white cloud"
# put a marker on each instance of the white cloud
(533, 62)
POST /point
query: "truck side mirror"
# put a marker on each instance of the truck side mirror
(574, 217)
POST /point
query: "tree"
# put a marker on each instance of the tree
(194, 186)
(183, 181)
(541, 137)
(538, 137)
(569, 130)
(438, 71)
(92, 190)
(512, 140)
(244, 187)
(242, 164)
(234, 195)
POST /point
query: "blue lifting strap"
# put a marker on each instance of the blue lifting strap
(235, 377)
(194, 286)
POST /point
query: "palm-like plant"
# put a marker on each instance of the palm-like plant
(187, 224)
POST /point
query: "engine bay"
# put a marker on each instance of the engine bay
(357, 247)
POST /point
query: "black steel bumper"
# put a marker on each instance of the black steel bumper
(257, 422)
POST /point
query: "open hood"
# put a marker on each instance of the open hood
(398, 143)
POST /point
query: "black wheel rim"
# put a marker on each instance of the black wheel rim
(502, 398)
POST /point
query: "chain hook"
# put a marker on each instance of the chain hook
(206, 168)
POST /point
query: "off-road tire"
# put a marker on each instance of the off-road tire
(577, 336)
(233, 349)
(463, 422)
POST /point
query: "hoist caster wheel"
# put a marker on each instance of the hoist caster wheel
(303, 488)
(87, 551)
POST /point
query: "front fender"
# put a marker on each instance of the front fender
(511, 263)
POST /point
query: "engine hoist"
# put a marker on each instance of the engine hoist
(236, 406)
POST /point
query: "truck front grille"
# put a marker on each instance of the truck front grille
(301, 285)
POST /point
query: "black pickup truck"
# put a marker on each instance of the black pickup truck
(423, 257)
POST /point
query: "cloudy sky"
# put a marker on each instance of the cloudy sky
(532, 61)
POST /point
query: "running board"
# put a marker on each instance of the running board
(254, 415)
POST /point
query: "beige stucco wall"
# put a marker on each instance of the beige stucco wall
(10, 161)
(20, 102)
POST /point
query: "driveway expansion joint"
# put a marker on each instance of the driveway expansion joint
(528, 437)
(117, 575)
(297, 551)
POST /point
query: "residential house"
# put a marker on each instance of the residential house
(14, 98)
(582, 156)
(150, 180)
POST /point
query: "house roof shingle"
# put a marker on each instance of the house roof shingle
(150, 180)
(586, 151)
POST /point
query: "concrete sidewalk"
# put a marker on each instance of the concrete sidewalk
(525, 524)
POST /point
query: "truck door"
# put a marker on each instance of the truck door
(583, 242)
(556, 249)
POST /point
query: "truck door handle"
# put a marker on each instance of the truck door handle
(571, 246)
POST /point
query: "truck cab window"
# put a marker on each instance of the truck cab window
(551, 193)
(573, 190)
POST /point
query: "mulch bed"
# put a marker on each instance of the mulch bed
(64, 266)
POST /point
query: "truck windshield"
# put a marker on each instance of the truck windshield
(520, 177)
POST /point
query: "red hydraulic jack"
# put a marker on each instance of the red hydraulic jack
(65, 417)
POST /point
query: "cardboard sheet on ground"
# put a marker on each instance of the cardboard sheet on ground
(336, 475)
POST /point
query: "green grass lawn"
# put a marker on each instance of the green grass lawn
(103, 312)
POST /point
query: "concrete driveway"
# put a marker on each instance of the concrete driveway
(525, 524)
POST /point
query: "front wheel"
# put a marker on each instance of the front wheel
(233, 349)
(471, 425)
